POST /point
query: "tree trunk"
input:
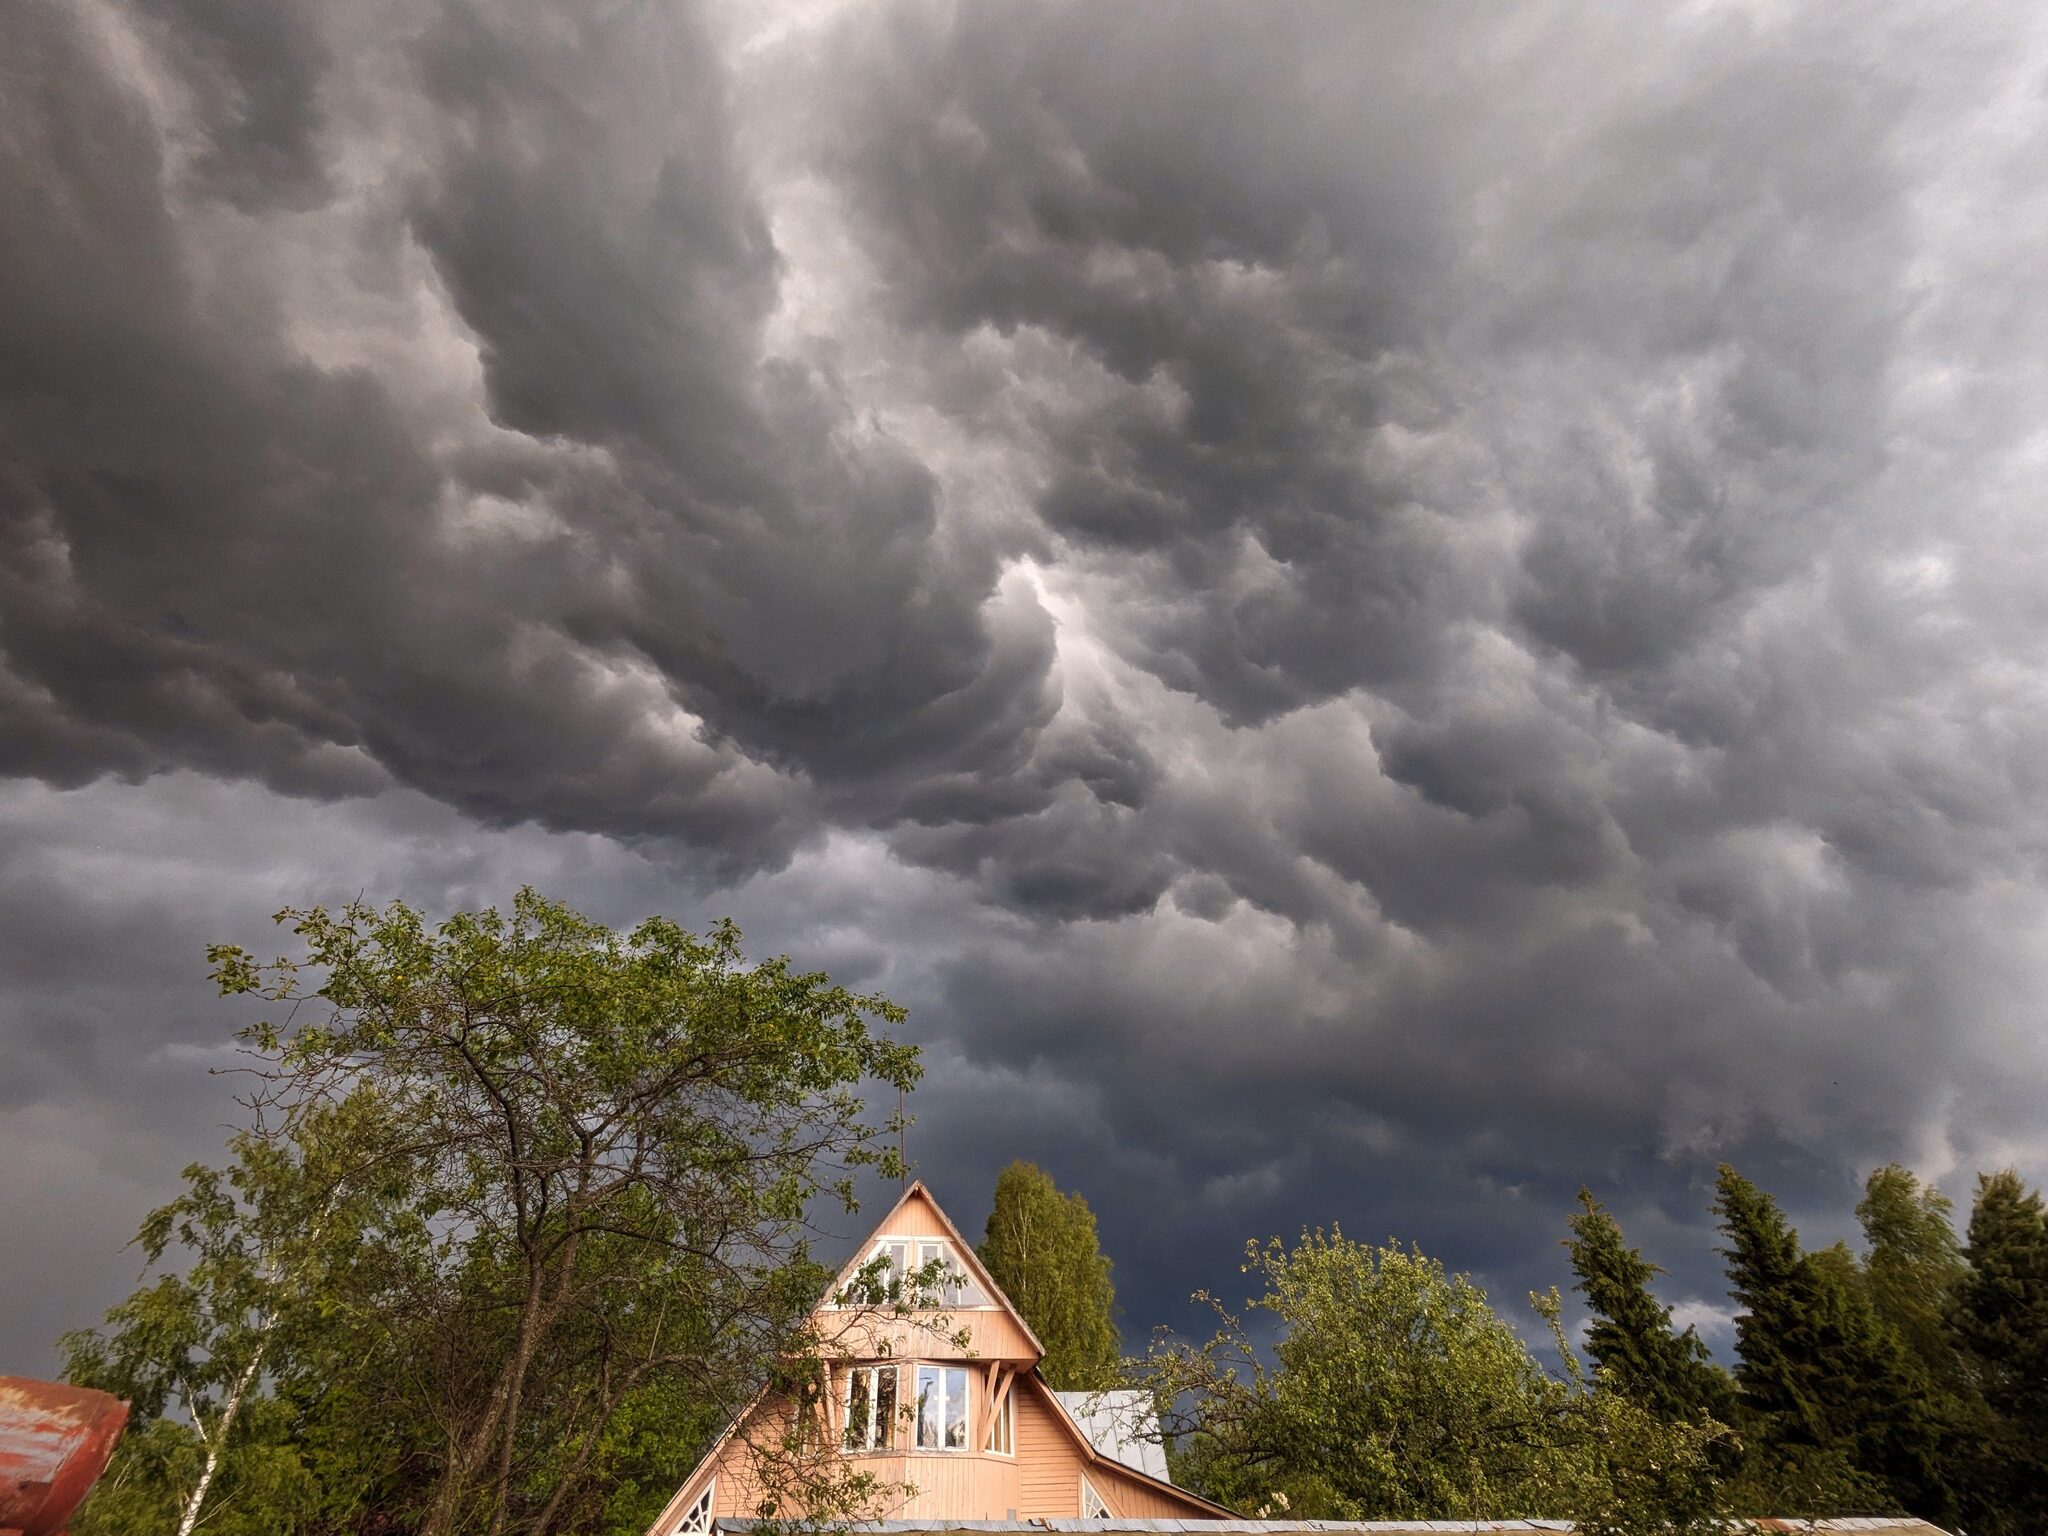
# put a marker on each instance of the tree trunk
(216, 1443)
(470, 1452)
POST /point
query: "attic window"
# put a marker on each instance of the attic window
(906, 1258)
(1093, 1505)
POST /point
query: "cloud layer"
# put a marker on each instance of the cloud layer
(1370, 614)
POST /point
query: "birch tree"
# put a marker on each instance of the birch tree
(1042, 1248)
(247, 1259)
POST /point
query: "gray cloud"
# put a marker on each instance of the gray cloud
(1369, 615)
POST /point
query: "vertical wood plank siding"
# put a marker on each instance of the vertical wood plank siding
(1048, 1465)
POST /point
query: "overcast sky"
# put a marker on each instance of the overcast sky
(1369, 611)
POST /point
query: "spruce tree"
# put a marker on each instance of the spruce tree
(1631, 1337)
(2000, 1320)
(1836, 1414)
(1042, 1248)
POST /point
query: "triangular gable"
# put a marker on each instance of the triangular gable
(915, 1192)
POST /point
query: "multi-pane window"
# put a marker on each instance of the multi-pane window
(941, 1408)
(1002, 1434)
(954, 1289)
(870, 1408)
(1093, 1505)
(903, 1259)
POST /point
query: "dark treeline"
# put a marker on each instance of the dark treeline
(1910, 1378)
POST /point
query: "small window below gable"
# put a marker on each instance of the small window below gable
(696, 1519)
(940, 1414)
(1093, 1505)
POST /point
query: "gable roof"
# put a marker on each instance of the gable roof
(915, 1190)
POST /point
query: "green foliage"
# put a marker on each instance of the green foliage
(209, 1355)
(1042, 1248)
(2000, 1323)
(1912, 1266)
(1833, 1410)
(1397, 1393)
(1630, 1337)
(519, 1223)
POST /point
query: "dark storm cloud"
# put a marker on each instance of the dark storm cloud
(1370, 613)
(223, 554)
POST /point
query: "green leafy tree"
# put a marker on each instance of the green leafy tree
(593, 1157)
(1630, 1337)
(1041, 1246)
(268, 1247)
(1395, 1392)
(2000, 1322)
(1833, 1412)
(1913, 1264)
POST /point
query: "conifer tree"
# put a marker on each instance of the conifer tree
(1631, 1338)
(1836, 1415)
(1042, 1248)
(2001, 1321)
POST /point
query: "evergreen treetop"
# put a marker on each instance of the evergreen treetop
(1631, 1338)
(2000, 1322)
(1823, 1381)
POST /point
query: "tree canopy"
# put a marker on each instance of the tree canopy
(1396, 1392)
(1041, 1246)
(1999, 1318)
(1630, 1336)
(519, 1220)
(1837, 1420)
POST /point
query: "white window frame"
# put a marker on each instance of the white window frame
(697, 1519)
(943, 1436)
(1002, 1430)
(881, 1427)
(1093, 1505)
(907, 1255)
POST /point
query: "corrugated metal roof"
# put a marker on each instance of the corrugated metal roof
(1122, 1425)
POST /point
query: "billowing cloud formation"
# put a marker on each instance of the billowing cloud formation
(1371, 614)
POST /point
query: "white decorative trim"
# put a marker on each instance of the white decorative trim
(1093, 1505)
(697, 1518)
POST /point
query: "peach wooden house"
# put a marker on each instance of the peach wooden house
(951, 1416)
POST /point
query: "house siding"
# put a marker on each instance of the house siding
(1048, 1464)
(1041, 1481)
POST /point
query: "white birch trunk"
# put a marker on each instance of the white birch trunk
(216, 1443)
